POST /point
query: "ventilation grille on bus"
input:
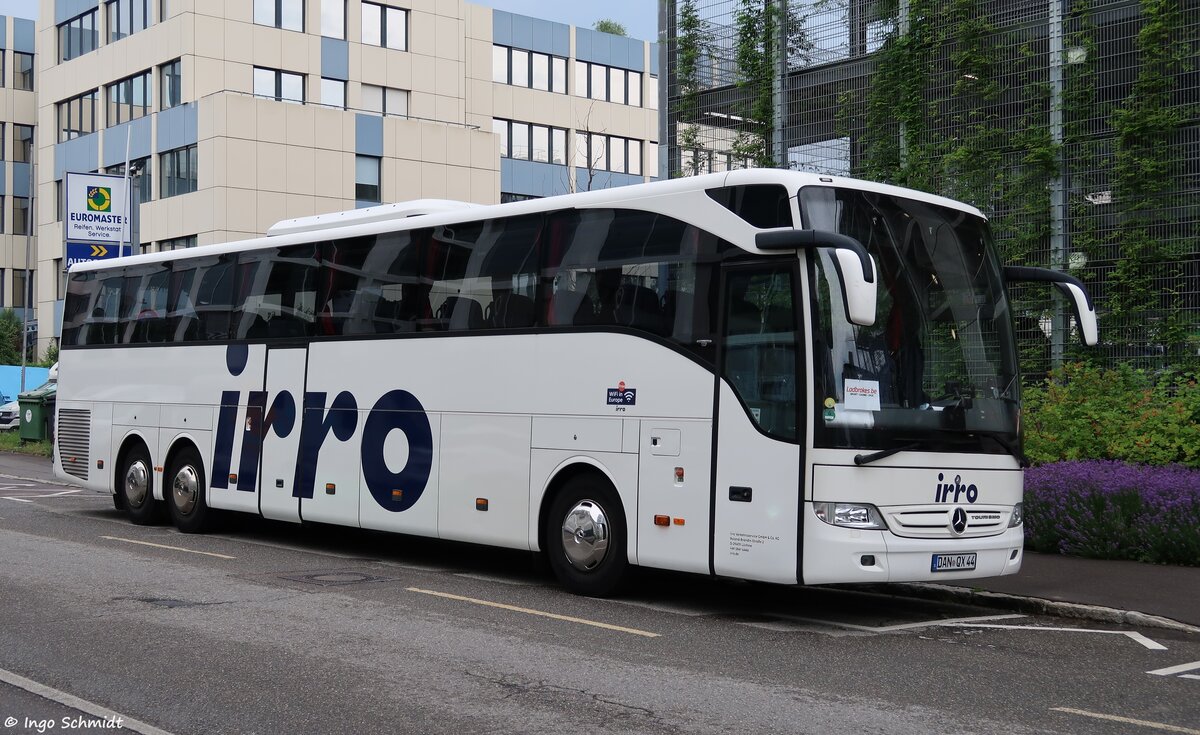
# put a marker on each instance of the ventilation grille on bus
(74, 440)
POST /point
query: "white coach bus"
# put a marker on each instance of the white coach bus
(760, 374)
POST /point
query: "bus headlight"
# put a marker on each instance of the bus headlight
(851, 515)
(1018, 515)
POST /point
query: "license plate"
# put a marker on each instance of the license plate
(953, 562)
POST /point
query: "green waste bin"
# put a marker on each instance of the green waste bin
(36, 406)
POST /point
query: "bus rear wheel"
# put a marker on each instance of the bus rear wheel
(185, 492)
(136, 491)
(585, 537)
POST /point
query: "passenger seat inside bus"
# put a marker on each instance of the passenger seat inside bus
(510, 310)
(460, 312)
(638, 307)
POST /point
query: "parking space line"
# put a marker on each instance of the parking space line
(1127, 720)
(164, 546)
(1172, 670)
(19, 500)
(539, 613)
(1131, 634)
(1190, 676)
(82, 705)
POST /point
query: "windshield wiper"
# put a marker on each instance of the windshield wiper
(862, 459)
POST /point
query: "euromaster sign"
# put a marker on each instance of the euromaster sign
(97, 209)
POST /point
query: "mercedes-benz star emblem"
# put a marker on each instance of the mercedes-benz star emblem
(958, 521)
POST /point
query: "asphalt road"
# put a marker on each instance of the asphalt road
(271, 628)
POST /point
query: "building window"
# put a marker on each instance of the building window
(285, 14)
(333, 93)
(278, 85)
(2, 141)
(384, 100)
(22, 143)
(333, 18)
(529, 142)
(529, 69)
(385, 26)
(2, 198)
(177, 243)
(22, 71)
(20, 215)
(652, 92)
(608, 84)
(143, 179)
(77, 36)
(77, 116)
(126, 17)
(172, 79)
(597, 152)
(509, 197)
(129, 99)
(23, 290)
(178, 169)
(366, 178)
(167, 8)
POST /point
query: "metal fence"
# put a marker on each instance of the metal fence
(1075, 126)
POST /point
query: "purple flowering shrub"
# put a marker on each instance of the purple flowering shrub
(1108, 509)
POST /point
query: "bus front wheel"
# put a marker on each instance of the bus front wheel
(585, 537)
(137, 486)
(185, 492)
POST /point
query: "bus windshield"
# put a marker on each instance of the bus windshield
(938, 368)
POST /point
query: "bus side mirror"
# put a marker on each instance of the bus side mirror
(1072, 287)
(855, 266)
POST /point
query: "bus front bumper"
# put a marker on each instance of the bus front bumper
(834, 555)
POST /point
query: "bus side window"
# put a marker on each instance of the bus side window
(214, 298)
(82, 289)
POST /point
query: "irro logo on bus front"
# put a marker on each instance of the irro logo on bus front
(944, 491)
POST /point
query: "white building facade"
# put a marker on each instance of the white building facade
(238, 114)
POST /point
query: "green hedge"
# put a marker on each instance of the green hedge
(1086, 412)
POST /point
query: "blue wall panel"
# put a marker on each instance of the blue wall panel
(4, 31)
(605, 48)
(65, 10)
(20, 180)
(24, 32)
(368, 135)
(531, 34)
(176, 128)
(136, 133)
(533, 178)
(335, 58)
(80, 155)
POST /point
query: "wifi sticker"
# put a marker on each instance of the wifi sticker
(622, 396)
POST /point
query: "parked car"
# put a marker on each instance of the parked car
(10, 416)
(10, 412)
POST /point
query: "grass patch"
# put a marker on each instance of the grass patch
(10, 441)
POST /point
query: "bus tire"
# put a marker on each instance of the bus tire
(185, 492)
(585, 537)
(136, 486)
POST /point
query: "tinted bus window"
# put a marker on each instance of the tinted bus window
(632, 269)
(81, 291)
(278, 289)
(214, 296)
(144, 304)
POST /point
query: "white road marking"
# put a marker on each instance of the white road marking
(1190, 676)
(889, 628)
(1127, 720)
(1132, 635)
(164, 546)
(83, 705)
(19, 500)
(1172, 670)
(539, 613)
(667, 607)
(64, 492)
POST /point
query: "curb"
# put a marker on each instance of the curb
(1038, 605)
(38, 480)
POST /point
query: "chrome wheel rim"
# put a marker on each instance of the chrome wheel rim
(585, 535)
(185, 489)
(137, 483)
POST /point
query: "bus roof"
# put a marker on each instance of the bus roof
(435, 212)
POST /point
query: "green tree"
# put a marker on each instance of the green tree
(11, 330)
(608, 25)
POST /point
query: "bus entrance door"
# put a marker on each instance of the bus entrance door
(757, 483)
(285, 373)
